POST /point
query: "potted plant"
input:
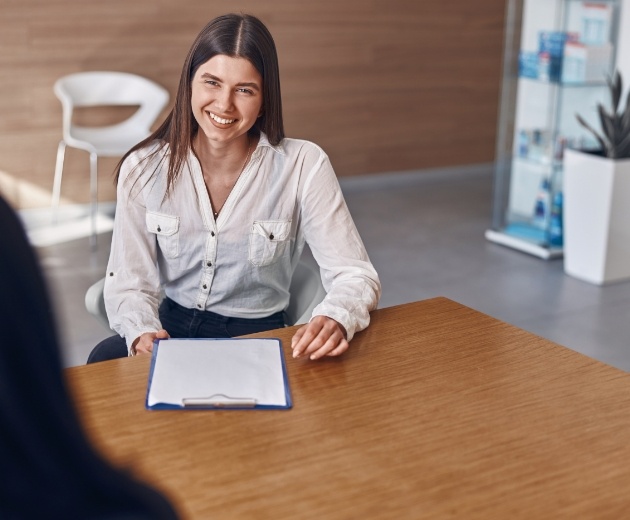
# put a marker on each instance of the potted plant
(597, 198)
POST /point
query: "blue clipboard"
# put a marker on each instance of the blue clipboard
(218, 374)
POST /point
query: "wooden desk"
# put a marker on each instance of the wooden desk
(436, 411)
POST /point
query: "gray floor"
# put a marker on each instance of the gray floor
(425, 235)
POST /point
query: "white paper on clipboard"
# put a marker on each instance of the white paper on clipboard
(218, 373)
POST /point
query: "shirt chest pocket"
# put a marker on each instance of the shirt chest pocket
(268, 241)
(166, 229)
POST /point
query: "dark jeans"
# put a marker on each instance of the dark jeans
(181, 322)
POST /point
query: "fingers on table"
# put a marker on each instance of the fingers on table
(321, 337)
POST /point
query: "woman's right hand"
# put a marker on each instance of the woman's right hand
(144, 343)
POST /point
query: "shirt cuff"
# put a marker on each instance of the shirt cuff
(341, 316)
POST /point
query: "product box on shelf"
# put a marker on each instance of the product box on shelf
(586, 63)
(534, 144)
(551, 46)
(528, 64)
(596, 18)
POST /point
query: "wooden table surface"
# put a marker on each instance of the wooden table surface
(436, 411)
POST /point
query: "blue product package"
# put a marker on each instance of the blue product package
(528, 64)
(551, 43)
(540, 218)
(555, 223)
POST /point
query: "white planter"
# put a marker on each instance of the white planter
(596, 217)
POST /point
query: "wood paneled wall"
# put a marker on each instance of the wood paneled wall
(381, 85)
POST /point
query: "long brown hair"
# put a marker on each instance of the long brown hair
(237, 36)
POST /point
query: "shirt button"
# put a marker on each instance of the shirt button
(205, 286)
(211, 233)
(159, 229)
(111, 273)
(198, 306)
(209, 264)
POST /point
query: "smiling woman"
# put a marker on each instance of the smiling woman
(216, 207)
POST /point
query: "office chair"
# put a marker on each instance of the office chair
(90, 89)
(306, 292)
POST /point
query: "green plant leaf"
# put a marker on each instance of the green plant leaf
(623, 148)
(615, 84)
(608, 124)
(602, 143)
(625, 118)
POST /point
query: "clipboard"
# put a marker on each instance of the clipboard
(213, 374)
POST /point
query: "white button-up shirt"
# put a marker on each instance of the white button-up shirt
(239, 265)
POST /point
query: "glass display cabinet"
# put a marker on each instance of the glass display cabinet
(557, 56)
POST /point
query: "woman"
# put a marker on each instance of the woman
(216, 206)
(47, 467)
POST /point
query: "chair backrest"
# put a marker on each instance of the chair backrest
(306, 292)
(109, 88)
(95, 303)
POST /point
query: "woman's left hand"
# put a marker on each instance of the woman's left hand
(322, 336)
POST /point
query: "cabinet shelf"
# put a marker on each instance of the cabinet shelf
(565, 84)
(543, 162)
(523, 244)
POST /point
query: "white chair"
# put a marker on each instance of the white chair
(306, 292)
(90, 89)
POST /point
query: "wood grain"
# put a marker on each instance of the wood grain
(437, 411)
(382, 86)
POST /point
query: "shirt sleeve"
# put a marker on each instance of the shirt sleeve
(351, 282)
(132, 283)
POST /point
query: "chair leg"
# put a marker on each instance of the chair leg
(94, 196)
(56, 193)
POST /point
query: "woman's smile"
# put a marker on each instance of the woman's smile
(220, 120)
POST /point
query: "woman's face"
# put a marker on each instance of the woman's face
(227, 98)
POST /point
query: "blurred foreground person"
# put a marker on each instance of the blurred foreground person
(48, 469)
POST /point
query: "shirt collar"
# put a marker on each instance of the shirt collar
(264, 141)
